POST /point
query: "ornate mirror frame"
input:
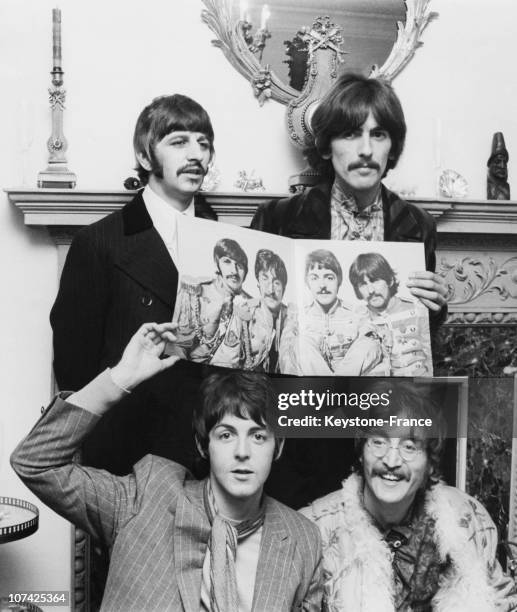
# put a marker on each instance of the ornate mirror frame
(324, 44)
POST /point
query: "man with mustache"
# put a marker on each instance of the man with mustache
(329, 339)
(401, 324)
(212, 315)
(358, 135)
(120, 272)
(395, 537)
(269, 317)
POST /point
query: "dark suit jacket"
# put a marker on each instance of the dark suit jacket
(154, 522)
(307, 215)
(321, 464)
(118, 275)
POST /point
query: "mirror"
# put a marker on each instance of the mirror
(291, 51)
(369, 31)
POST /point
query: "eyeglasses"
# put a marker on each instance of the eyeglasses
(408, 449)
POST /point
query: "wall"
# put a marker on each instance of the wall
(116, 57)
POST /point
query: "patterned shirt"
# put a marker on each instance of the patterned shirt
(347, 222)
(415, 559)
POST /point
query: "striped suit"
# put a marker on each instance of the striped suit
(153, 521)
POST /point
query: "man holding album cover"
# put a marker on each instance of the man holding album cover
(359, 132)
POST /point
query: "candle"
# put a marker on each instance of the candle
(56, 37)
(243, 9)
(264, 17)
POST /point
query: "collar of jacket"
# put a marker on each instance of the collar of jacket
(136, 218)
(191, 533)
(364, 556)
(400, 222)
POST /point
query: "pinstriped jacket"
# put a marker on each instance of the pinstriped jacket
(154, 523)
(118, 275)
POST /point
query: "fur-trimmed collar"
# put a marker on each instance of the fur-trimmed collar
(359, 560)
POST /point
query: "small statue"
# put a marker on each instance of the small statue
(249, 182)
(497, 187)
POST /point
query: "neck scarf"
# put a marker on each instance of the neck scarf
(350, 223)
(222, 544)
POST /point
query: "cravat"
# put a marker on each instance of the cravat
(222, 545)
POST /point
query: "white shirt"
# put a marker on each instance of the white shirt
(165, 219)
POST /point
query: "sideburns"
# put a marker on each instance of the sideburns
(156, 166)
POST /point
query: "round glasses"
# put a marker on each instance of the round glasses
(408, 449)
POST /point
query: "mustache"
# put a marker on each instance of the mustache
(324, 292)
(396, 472)
(374, 295)
(364, 164)
(193, 166)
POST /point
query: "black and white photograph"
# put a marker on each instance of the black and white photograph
(357, 317)
(340, 177)
(300, 310)
(236, 291)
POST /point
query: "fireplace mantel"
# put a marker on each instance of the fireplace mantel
(73, 208)
(476, 251)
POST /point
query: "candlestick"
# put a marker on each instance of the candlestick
(56, 37)
(57, 174)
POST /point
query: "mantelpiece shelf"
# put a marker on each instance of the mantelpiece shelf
(63, 207)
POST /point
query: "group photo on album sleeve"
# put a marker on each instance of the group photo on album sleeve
(281, 306)
(235, 293)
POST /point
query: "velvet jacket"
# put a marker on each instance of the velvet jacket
(319, 463)
(307, 215)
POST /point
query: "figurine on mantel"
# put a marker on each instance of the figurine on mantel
(497, 187)
(249, 182)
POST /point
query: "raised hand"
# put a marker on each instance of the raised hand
(142, 356)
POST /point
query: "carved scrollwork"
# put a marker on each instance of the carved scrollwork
(230, 39)
(470, 278)
(481, 318)
(57, 97)
(323, 35)
(262, 85)
(218, 17)
(418, 16)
